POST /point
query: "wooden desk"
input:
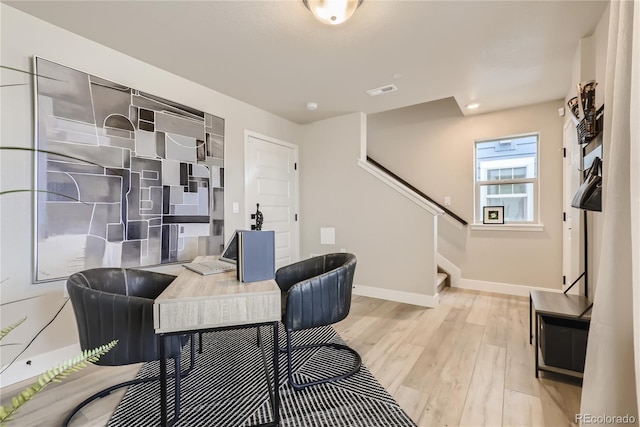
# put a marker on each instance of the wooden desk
(555, 305)
(197, 303)
(194, 301)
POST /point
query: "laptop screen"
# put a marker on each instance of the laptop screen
(230, 252)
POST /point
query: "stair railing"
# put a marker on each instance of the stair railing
(415, 190)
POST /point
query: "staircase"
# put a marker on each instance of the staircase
(442, 279)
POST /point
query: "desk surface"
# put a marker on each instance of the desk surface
(560, 305)
(193, 301)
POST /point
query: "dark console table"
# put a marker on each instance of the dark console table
(561, 330)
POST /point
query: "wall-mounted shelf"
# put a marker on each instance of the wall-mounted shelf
(590, 126)
(589, 131)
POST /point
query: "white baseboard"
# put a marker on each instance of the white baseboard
(397, 296)
(21, 370)
(457, 281)
(499, 288)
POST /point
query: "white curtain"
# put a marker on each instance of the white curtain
(612, 368)
(635, 186)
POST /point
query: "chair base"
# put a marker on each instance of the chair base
(109, 390)
(299, 386)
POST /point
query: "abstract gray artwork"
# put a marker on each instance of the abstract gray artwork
(155, 192)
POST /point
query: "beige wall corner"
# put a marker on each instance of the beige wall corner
(392, 237)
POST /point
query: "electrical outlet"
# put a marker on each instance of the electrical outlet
(447, 201)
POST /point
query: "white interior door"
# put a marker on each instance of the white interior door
(271, 180)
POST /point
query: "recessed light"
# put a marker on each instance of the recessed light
(312, 106)
(472, 106)
(397, 76)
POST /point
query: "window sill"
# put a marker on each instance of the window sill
(507, 227)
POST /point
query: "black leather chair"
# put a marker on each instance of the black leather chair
(316, 292)
(117, 304)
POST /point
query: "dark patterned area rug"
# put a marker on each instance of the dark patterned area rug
(228, 388)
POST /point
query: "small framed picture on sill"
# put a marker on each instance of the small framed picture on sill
(493, 215)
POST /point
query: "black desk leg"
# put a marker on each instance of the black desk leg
(536, 349)
(276, 376)
(163, 381)
(530, 319)
(176, 385)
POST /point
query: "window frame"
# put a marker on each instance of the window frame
(534, 200)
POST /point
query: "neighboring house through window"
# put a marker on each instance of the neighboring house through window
(507, 175)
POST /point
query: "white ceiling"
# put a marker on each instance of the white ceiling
(276, 56)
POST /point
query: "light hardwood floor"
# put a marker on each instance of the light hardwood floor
(466, 363)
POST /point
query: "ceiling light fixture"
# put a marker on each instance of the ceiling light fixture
(472, 106)
(312, 106)
(332, 12)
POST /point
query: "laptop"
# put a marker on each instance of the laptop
(227, 261)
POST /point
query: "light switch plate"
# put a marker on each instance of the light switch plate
(327, 236)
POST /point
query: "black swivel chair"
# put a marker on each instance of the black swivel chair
(117, 304)
(316, 292)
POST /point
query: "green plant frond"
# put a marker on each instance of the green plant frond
(29, 72)
(38, 150)
(4, 414)
(5, 331)
(55, 374)
(42, 191)
(28, 394)
(35, 150)
(18, 300)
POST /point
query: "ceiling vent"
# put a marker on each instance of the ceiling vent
(381, 90)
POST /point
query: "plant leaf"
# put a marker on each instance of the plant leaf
(55, 374)
(29, 72)
(43, 191)
(18, 300)
(4, 414)
(38, 150)
(5, 331)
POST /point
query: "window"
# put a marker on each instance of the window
(507, 175)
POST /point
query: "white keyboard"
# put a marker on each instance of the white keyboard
(210, 267)
(218, 265)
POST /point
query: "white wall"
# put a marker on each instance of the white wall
(391, 236)
(589, 64)
(432, 147)
(23, 36)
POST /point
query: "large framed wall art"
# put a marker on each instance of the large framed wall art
(151, 190)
